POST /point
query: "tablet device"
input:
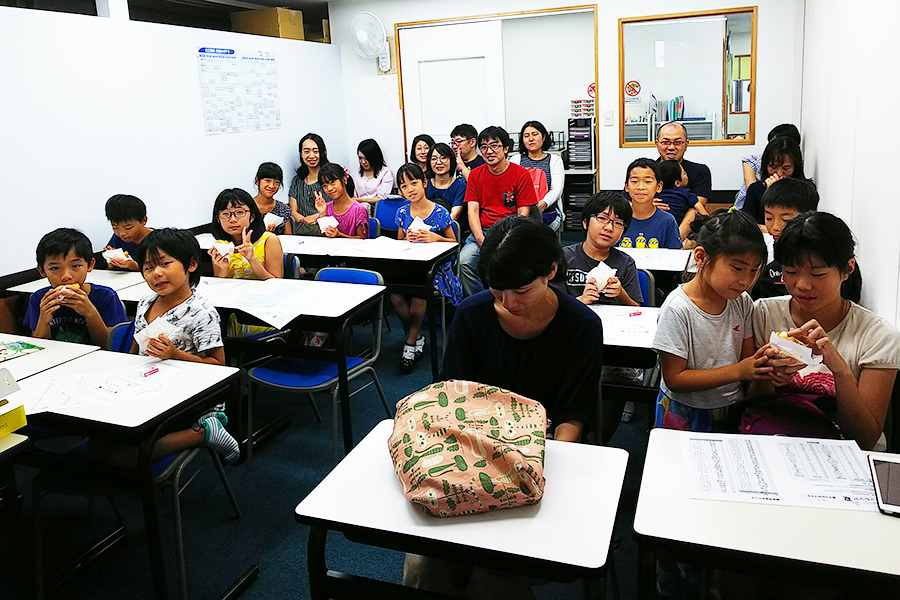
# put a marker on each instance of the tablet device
(886, 474)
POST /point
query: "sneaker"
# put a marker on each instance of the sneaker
(420, 347)
(409, 358)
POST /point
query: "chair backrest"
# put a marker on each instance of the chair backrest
(386, 211)
(648, 287)
(459, 245)
(363, 277)
(374, 228)
(121, 337)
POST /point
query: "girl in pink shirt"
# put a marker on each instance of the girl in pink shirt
(353, 218)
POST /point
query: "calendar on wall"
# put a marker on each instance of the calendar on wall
(238, 90)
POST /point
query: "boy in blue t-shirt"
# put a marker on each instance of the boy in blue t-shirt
(650, 227)
(676, 197)
(128, 217)
(70, 309)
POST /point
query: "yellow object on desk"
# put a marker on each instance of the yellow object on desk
(12, 412)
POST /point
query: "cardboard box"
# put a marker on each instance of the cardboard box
(274, 22)
(12, 420)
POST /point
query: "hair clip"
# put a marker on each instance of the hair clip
(732, 209)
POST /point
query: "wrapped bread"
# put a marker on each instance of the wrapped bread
(327, 221)
(601, 274)
(790, 347)
(71, 286)
(224, 248)
(152, 331)
(115, 254)
(271, 219)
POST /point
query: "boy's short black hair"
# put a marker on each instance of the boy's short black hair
(180, 244)
(798, 194)
(125, 207)
(644, 163)
(464, 129)
(670, 172)
(599, 202)
(60, 242)
(493, 132)
(269, 170)
(516, 251)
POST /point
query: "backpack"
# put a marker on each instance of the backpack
(793, 415)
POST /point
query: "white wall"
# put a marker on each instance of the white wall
(848, 133)
(540, 81)
(92, 107)
(373, 108)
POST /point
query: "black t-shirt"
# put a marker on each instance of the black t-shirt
(753, 202)
(578, 264)
(560, 367)
(471, 164)
(771, 282)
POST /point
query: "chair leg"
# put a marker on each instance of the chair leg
(38, 548)
(336, 443)
(175, 491)
(315, 407)
(225, 484)
(250, 424)
(384, 402)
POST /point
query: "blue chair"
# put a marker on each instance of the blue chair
(648, 287)
(309, 376)
(374, 228)
(386, 212)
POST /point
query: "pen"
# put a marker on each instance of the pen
(151, 372)
(636, 313)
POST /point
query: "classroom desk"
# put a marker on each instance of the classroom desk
(54, 353)
(117, 280)
(658, 259)
(627, 334)
(134, 420)
(565, 537)
(820, 545)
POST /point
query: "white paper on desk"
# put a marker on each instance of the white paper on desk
(380, 247)
(59, 393)
(224, 248)
(271, 219)
(115, 254)
(157, 327)
(418, 225)
(326, 222)
(778, 470)
(147, 380)
(601, 274)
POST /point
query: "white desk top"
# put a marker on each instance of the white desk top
(658, 259)
(54, 353)
(117, 280)
(571, 525)
(381, 247)
(629, 326)
(844, 538)
(130, 410)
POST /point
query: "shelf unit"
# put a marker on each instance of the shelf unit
(581, 176)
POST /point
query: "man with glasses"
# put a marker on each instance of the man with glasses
(495, 190)
(671, 143)
(462, 140)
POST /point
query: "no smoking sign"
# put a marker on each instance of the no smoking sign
(632, 88)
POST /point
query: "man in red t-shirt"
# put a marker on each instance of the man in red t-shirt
(495, 190)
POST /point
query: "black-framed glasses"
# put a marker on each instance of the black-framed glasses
(495, 147)
(603, 221)
(676, 143)
(240, 213)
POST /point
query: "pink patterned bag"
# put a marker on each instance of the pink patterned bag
(461, 447)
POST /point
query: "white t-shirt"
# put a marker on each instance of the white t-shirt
(196, 320)
(705, 341)
(863, 339)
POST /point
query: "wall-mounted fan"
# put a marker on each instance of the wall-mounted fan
(370, 39)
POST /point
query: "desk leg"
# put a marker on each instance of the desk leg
(432, 333)
(344, 390)
(151, 522)
(315, 563)
(9, 492)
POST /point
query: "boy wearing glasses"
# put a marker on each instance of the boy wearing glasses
(605, 217)
(671, 143)
(462, 140)
(495, 190)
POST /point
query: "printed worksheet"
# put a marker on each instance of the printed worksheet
(238, 90)
(778, 470)
(632, 326)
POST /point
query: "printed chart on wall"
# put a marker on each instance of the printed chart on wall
(238, 90)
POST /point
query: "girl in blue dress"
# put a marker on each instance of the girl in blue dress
(412, 182)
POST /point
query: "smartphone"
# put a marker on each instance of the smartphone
(886, 474)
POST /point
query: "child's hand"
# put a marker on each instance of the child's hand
(128, 263)
(815, 335)
(246, 247)
(217, 259)
(331, 232)
(321, 205)
(755, 367)
(772, 179)
(271, 226)
(412, 235)
(613, 288)
(783, 368)
(661, 205)
(50, 303)
(591, 292)
(161, 347)
(76, 299)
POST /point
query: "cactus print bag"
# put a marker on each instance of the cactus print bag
(461, 448)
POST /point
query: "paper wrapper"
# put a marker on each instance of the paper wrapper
(271, 219)
(418, 225)
(115, 254)
(791, 349)
(601, 273)
(224, 248)
(156, 328)
(325, 222)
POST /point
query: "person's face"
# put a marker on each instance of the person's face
(776, 217)
(493, 152)
(66, 270)
(335, 189)
(465, 146)
(730, 275)
(166, 274)
(671, 143)
(521, 301)
(642, 185)
(309, 153)
(363, 161)
(683, 182)
(421, 151)
(782, 166)
(412, 189)
(813, 285)
(268, 187)
(532, 139)
(605, 229)
(128, 230)
(440, 164)
(234, 218)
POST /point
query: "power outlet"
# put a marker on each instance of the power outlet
(607, 118)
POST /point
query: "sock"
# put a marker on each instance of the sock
(218, 438)
(214, 414)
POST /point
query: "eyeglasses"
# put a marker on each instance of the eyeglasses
(439, 158)
(603, 221)
(676, 143)
(240, 213)
(492, 147)
(457, 141)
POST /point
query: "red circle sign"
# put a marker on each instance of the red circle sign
(632, 88)
(592, 90)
